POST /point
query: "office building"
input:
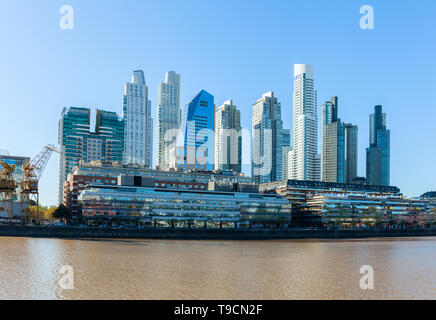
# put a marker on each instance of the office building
(343, 204)
(169, 117)
(228, 138)
(138, 124)
(266, 139)
(137, 201)
(78, 144)
(378, 153)
(107, 173)
(339, 146)
(195, 142)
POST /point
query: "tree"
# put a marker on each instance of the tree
(62, 212)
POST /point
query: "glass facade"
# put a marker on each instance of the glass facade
(339, 146)
(378, 153)
(195, 143)
(267, 139)
(77, 143)
(339, 208)
(166, 207)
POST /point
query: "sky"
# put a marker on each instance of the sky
(233, 49)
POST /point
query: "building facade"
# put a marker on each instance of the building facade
(228, 138)
(378, 153)
(107, 173)
(140, 203)
(138, 124)
(266, 139)
(195, 142)
(78, 144)
(169, 117)
(306, 163)
(339, 146)
(344, 204)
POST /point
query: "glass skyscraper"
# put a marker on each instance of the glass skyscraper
(266, 139)
(77, 143)
(195, 142)
(378, 153)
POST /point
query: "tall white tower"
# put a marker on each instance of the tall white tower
(228, 138)
(138, 124)
(306, 163)
(168, 113)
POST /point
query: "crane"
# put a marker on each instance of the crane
(32, 172)
(8, 186)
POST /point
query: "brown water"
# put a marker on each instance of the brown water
(135, 269)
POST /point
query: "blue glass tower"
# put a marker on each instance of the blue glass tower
(378, 153)
(195, 143)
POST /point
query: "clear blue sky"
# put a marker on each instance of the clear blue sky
(233, 49)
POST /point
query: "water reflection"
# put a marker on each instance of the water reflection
(135, 269)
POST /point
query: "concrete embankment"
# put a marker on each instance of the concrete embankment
(201, 234)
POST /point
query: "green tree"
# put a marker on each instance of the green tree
(62, 212)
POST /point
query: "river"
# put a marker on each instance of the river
(404, 268)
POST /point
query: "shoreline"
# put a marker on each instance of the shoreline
(203, 234)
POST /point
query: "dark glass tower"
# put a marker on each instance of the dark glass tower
(378, 153)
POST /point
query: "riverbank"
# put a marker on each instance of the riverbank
(202, 234)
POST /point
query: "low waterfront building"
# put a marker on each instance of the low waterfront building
(430, 198)
(343, 204)
(350, 208)
(136, 201)
(107, 173)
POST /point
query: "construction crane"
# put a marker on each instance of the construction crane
(32, 172)
(8, 186)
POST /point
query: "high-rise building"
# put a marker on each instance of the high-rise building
(351, 152)
(378, 153)
(339, 146)
(266, 141)
(287, 159)
(286, 145)
(194, 148)
(305, 126)
(168, 114)
(138, 124)
(228, 138)
(77, 143)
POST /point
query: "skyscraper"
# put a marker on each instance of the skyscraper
(77, 143)
(266, 141)
(195, 142)
(168, 114)
(378, 153)
(138, 124)
(306, 163)
(286, 145)
(339, 146)
(351, 151)
(228, 138)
